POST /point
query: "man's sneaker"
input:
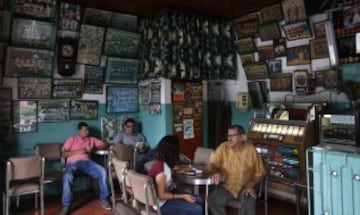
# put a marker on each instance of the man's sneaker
(65, 211)
(106, 205)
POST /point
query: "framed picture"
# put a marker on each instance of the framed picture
(256, 71)
(271, 13)
(319, 30)
(331, 78)
(293, 10)
(94, 80)
(298, 55)
(90, 45)
(352, 16)
(32, 33)
(97, 17)
(258, 93)
(274, 66)
(297, 30)
(319, 48)
(281, 82)
(126, 22)
(247, 58)
(269, 31)
(69, 17)
(84, 109)
(301, 78)
(279, 47)
(122, 99)
(25, 116)
(319, 78)
(67, 88)
(121, 43)
(5, 23)
(121, 70)
(34, 88)
(110, 126)
(144, 94)
(245, 46)
(265, 52)
(28, 62)
(36, 8)
(246, 26)
(53, 110)
(5, 113)
(345, 46)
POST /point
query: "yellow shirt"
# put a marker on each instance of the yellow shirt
(240, 165)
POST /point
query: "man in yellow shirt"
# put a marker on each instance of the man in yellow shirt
(238, 162)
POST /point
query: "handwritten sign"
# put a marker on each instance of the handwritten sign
(122, 99)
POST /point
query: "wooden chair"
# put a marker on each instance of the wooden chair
(24, 176)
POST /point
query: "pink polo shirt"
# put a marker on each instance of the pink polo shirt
(76, 142)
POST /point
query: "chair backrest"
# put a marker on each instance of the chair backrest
(23, 168)
(202, 155)
(124, 152)
(50, 151)
(120, 168)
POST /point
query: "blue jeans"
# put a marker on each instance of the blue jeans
(90, 168)
(182, 207)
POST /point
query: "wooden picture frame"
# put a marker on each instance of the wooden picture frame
(298, 55)
(246, 26)
(279, 47)
(245, 45)
(17, 62)
(69, 17)
(121, 71)
(67, 88)
(121, 43)
(127, 96)
(256, 71)
(90, 45)
(247, 58)
(94, 80)
(319, 30)
(271, 13)
(54, 110)
(274, 66)
(5, 113)
(84, 109)
(281, 82)
(319, 78)
(97, 17)
(34, 88)
(331, 78)
(301, 78)
(269, 31)
(297, 30)
(319, 48)
(265, 52)
(39, 9)
(25, 116)
(33, 33)
(293, 10)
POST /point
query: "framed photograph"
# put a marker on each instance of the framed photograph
(97, 17)
(279, 47)
(247, 58)
(298, 55)
(319, 30)
(246, 26)
(319, 78)
(69, 17)
(245, 45)
(293, 10)
(126, 22)
(28, 62)
(5, 113)
(297, 30)
(34, 88)
(319, 48)
(301, 78)
(274, 66)
(35, 8)
(110, 126)
(331, 78)
(265, 52)
(94, 80)
(67, 89)
(90, 45)
(281, 82)
(121, 70)
(53, 110)
(269, 31)
(84, 109)
(25, 116)
(352, 16)
(122, 99)
(256, 71)
(271, 13)
(121, 43)
(32, 33)
(5, 23)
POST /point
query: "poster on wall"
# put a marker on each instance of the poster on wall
(90, 45)
(54, 110)
(155, 108)
(144, 93)
(84, 109)
(67, 88)
(155, 92)
(188, 129)
(69, 17)
(94, 79)
(25, 116)
(35, 8)
(34, 88)
(110, 125)
(122, 99)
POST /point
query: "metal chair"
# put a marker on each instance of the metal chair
(144, 192)
(24, 176)
(202, 155)
(262, 196)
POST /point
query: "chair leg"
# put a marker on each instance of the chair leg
(17, 201)
(42, 202)
(7, 205)
(36, 201)
(112, 190)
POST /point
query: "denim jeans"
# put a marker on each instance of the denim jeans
(182, 207)
(90, 168)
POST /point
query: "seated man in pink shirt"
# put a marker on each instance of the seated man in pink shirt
(77, 150)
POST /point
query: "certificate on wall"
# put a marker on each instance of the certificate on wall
(188, 128)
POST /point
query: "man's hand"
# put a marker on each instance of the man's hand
(216, 178)
(250, 191)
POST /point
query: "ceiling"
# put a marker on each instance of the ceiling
(227, 9)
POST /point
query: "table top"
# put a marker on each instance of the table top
(102, 152)
(195, 175)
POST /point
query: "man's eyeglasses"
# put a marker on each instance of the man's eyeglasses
(232, 135)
